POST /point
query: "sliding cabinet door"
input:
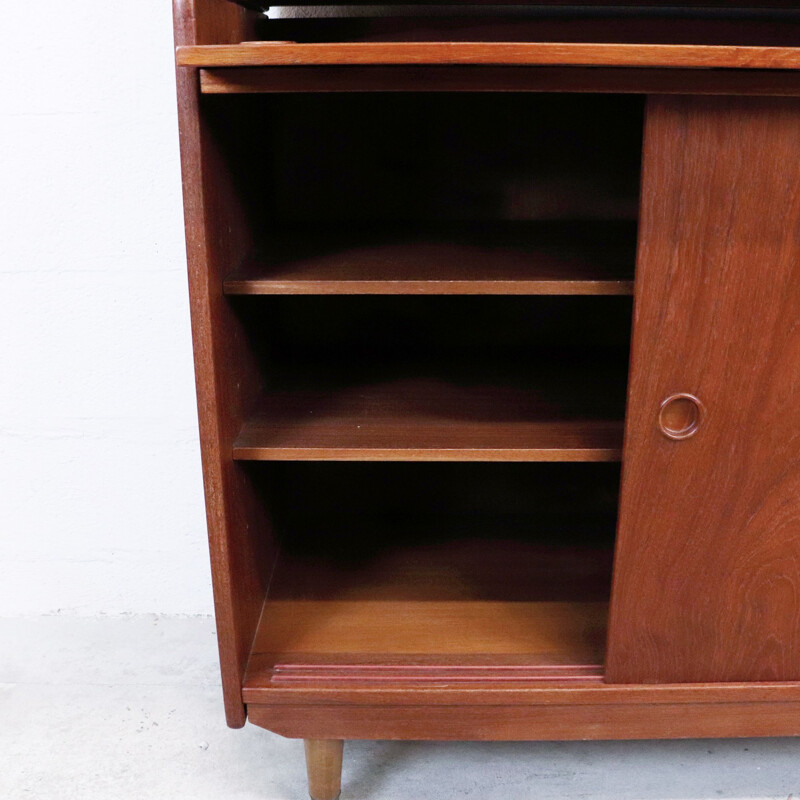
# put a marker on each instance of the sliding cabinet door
(707, 575)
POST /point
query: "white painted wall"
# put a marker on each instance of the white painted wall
(101, 505)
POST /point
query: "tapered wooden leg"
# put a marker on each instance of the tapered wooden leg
(324, 765)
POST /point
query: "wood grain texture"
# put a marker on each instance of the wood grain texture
(544, 722)
(256, 54)
(226, 375)
(707, 577)
(514, 258)
(428, 420)
(616, 80)
(549, 633)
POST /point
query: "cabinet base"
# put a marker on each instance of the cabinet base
(526, 722)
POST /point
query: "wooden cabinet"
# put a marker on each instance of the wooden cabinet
(449, 494)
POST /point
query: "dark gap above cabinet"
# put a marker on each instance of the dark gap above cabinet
(657, 26)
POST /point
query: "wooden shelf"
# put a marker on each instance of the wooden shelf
(575, 54)
(476, 258)
(354, 641)
(428, 420)
(460, 611)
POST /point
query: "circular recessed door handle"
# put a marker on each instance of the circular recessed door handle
(680, 416)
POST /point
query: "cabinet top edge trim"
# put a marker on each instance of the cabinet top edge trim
(257, 54)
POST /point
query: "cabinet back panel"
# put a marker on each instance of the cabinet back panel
(319, 342)
(423, 157)
(492, 532)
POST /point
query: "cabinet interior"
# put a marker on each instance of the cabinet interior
(500, 566)
(457, 191)
(444, 279)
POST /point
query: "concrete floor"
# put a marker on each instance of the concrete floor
(130, 708)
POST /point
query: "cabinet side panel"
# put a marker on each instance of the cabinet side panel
(707, 573)
(217, 237)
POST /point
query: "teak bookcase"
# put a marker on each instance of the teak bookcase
(416, 252)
